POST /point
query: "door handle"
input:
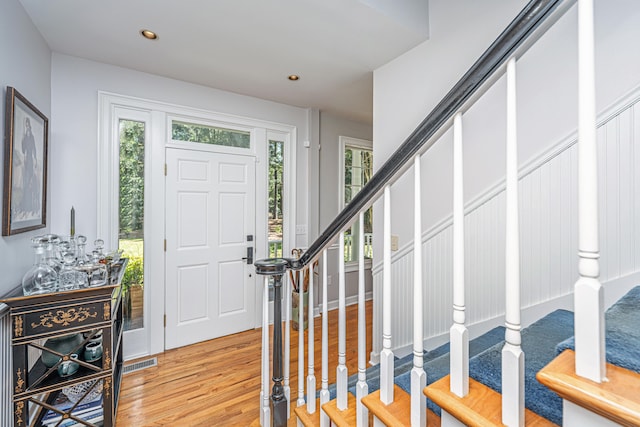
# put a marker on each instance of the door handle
(249, 257)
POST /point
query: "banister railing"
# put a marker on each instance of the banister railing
(519, 35)
(513, 40)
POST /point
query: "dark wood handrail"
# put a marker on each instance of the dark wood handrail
(508, 42)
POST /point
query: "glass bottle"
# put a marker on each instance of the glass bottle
(51, 242)
(41, 278)
(81, 255)
(99, 249)
(69, 276)
(99, 271)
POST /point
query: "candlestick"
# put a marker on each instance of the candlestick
(73, 222)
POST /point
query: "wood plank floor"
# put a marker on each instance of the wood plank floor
(217, 382)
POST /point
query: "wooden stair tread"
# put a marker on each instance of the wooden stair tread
(398, 413)
(307, 419)
(340, 418)
(481, 407)
(618, 399)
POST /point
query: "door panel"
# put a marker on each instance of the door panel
(210, 211)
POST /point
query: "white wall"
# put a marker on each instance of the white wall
(75, 84)
(548, 200)
(331, 128)
(26, 66)
(406, 89)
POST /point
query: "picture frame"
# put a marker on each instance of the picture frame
(24, 203)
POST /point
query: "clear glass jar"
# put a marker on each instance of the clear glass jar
(51, 242)
(81, 254)
(98, 275)
(69, 276)
(41, 278)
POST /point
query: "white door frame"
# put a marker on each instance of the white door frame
(160, 138)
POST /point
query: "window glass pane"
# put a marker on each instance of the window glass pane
(358, 168)
(190, 132)
(348, 154)
(276, 184)
(131, 210)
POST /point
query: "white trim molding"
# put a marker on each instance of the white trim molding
(548, 233)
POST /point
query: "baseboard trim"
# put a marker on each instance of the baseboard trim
(353, 299)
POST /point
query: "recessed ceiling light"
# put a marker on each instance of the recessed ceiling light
(294, 77)
(148, 34)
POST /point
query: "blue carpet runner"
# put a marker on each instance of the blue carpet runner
(622, 332)
(539, 342)
(542, 341)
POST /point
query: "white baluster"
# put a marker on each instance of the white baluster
(311, 376)
(418, 376)
(300, 401)
(512, 355)
(265, 412)
(362, 389)
(386, 355)
(459, 335)
(589, 294)
(287, 340)
(341, 369)
(324, 391)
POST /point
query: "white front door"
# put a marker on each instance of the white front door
(210, 222)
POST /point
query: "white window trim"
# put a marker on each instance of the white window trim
(343, 142)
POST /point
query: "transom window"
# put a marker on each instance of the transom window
(203, 134)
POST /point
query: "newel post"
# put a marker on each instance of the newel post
(276, 267)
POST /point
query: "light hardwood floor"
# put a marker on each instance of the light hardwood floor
(217, 382)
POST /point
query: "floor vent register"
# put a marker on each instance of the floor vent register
(138, 366)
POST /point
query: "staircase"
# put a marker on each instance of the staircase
(509, 375)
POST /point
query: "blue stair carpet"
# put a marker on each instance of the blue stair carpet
(622, 331)
(438, 367)
(539, 342)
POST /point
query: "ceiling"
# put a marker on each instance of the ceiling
(245, 46)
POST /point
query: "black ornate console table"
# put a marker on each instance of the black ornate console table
(87, 313)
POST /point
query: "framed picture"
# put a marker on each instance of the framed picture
(24, 204)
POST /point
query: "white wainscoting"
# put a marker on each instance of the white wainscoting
(548, 235)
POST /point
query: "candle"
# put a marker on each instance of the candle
(73, 221)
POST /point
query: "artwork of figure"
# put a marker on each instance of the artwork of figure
(25, 166)
(30, 203)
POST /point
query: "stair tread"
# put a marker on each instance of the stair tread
(622, 332)
(539, 341)
(340, 418)
(481, 407)
(617, 399)
(438, 367)
(398, 413)
(307, 419)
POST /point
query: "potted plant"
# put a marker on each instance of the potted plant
(133, 276)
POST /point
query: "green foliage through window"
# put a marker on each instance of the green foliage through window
(190, 132)
(276, 186)
(131, 211)
(131, 178)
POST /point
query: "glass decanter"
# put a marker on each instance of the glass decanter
(70, 278)
(81, 254)
(51, 242)
(98, 276)
(41, 278)
(99, 250)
